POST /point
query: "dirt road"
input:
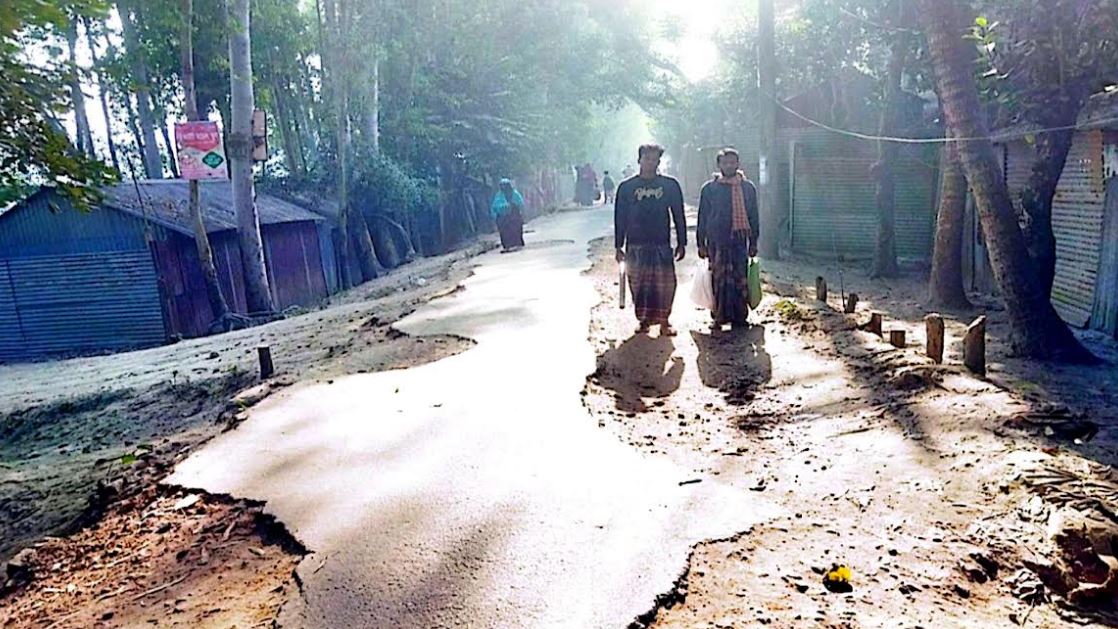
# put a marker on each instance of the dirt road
(475, 491)
(929, 484)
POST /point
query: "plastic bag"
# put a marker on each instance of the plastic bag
(754, 283)
(702, 287)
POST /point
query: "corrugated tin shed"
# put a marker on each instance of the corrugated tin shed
(167, 203)
(1079, 209)
(833, 198)
(126, 273)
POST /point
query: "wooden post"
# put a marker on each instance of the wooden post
(897, 338)
(820, 289)
(875, 325)
(974, 346)
(266, 366)
(851, 303)
(934, 325)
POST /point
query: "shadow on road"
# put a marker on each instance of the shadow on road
(736, 362)
(641, 367)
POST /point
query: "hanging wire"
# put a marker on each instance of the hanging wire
(900, 140)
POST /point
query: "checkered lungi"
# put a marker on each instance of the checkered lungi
(651, 270)
(729, 268)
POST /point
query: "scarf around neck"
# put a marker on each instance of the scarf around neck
(740, 219)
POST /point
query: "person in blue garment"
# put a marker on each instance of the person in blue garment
(507, 210)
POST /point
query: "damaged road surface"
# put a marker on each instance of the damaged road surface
(477, 490)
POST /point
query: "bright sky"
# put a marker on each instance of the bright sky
(699, 21)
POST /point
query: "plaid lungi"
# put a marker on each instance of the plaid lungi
(729, 269)
(651, 271)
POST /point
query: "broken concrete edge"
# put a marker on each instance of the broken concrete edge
(677, 593)
(111, 490)
(19, 571)
(268, 526)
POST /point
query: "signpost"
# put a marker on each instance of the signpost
(259, 136)
(200, 151)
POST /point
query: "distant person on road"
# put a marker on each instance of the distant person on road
(627, 172)
(644, 210)
(508, 212)
(727, 235)
(608, 186)
(584, 186)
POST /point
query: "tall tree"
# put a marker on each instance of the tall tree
(945, 287)
(130, 16)
(1037, 331)
(352, 221)
(885, 249)
(239, 140)
(33, 146)
(81, 118)
(102, 89)
(1047, 57)
(201, 239)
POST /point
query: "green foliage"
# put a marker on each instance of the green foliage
(34, 149)
(1041, 59)
(380, 184)
(505, 83)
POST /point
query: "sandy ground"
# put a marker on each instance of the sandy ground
(955, 501)
(952, 500)
(84, 443)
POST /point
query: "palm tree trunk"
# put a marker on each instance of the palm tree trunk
(945, 287)
(1037, 331)
(257, 294)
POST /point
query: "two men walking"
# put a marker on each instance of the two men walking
(646, 208)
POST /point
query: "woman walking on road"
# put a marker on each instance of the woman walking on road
(507, 210)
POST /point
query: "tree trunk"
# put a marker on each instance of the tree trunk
(172, 158)
(257, 295)
(106, 111)
(218, 305)
(366, 251)
(1036, 199)
(130, 119)
(81, 118)
(337, 17)
(308, 120)
(153, 166)
(885, 249)
(945, 287)
(767, 182)
(1038, 332)
(289, 157)
(372, 111)
(327, 20)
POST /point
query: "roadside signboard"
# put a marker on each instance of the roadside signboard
(200, 150)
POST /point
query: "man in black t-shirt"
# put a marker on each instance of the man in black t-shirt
(644, 210)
